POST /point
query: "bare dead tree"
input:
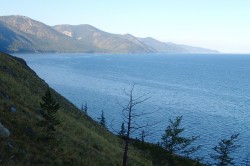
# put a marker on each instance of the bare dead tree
(130, 114)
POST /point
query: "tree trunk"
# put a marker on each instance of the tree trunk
(125, 155)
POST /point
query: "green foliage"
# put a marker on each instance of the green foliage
(122, 132)
(223, 151)
(142, 135)
(102, 120)
(84, 108)
(49, 108)
(174, 143)
(159, 155)
(79, 139)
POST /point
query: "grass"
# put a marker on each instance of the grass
(78, 140)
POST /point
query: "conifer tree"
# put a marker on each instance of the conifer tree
(122, 132)
(102, 121)
(49, 108)
(142, 136)
(84, 109)
(174, 143)
(223, 151)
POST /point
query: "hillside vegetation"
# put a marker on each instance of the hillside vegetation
(78, 139)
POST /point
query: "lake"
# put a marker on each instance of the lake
(211, 92)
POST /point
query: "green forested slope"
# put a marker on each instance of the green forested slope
(78, 139)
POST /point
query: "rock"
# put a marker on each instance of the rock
(4, 132)
(10, 145)
(13, 109)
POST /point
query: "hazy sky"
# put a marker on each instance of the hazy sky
(217, 24)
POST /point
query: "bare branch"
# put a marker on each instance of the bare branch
(111, 127)
(130, 114)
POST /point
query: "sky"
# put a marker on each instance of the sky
(222, 25)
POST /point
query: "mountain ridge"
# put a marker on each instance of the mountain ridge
(23, 34)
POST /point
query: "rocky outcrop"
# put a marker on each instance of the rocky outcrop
(13, 109)
(4, 132)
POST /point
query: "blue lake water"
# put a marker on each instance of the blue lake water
(211, 92)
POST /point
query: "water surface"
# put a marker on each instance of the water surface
(211, 92)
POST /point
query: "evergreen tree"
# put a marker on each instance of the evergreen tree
(174, 143)
(102, 121)
(122, 132)
(142, 136)
(49, 108)
(223, 150)
(84, 108)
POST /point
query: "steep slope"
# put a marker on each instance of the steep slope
(22, 34)
(127, 43)
(106, 42)
(169, 47)
(161, 47)
(78, 139)
(192, 49)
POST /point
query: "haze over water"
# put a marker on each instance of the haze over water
(211, 92)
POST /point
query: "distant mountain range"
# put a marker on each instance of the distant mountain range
(22, 34)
